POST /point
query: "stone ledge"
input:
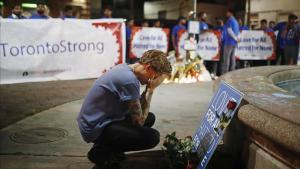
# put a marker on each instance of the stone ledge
(278, 130)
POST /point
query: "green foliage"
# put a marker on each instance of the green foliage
(179, 151)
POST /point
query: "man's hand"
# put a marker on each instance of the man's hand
(153, 83)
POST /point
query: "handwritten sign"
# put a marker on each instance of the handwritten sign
(256, 45)
(208, 47)
(144, 39)
(217, 117)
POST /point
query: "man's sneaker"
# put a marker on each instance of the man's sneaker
(98, 156)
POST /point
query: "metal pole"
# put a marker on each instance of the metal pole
(249, 13)
(195, 9)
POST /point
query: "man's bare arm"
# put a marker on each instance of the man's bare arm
(139, 109)
(135, 111)
(145, 101)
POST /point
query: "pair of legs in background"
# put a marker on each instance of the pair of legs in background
(121, 136)
(291, 54)
(228, 59)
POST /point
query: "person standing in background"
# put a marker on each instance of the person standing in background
(263, 27)
(203, 27)
(107, 13)
(230, 42)
(292, 35)
(220, 27)
(68, 13)
(41, 12)
(129, 25)
(241, 63)
(145, 23)
(16, 13)
(202, 22)
(157, 24)
(181, 21)
(242, 26)
(280, 56)
(271, 24)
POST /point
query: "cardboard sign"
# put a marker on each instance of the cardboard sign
(256, 45)
(209, 45)
(145, 38)
(217, 117)
(193, 27)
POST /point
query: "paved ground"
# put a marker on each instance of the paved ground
(25, 99)
(51, 139)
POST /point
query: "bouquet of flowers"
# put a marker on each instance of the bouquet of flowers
(179, 151)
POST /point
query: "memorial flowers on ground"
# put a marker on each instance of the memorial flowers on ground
(179, 152)
(186, 153)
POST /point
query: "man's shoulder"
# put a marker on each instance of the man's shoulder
(281, 24)
(121, 73)
(37, 16)
(177, 27)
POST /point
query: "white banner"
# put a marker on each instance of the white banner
(55, 49)
(144, 38)
(256, 45)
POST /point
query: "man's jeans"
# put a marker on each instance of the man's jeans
(228, 59)
(122, 136)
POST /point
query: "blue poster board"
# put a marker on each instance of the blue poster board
(221, 110)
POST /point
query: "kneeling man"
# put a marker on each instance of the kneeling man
(115, 117)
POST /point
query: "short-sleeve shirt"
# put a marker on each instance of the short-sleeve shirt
(268, 30)
(280, 27)
(106, 101)
(128, 33)
(234, 25)
(175, 31)
(203, 26)
(38, 16)
(13, 16)
(292, 36)
(243, 27)
(221, 29)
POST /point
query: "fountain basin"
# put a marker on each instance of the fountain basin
(270, 112)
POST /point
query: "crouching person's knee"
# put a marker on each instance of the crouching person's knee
(153, 139)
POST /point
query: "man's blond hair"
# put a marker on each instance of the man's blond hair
(157, 60)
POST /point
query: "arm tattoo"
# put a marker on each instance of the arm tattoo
(135, 107)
